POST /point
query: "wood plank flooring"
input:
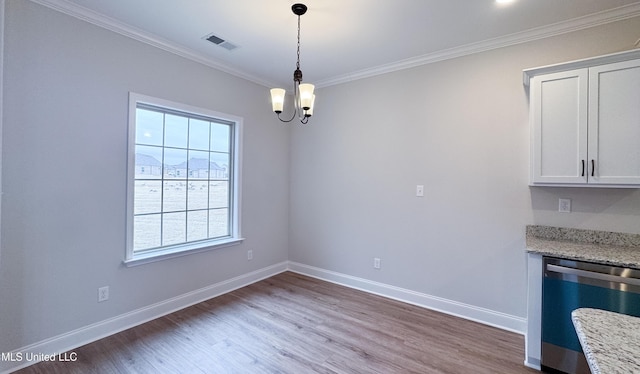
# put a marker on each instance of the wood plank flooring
(290, 323)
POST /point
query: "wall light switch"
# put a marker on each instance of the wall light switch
(419, 190)
(564, 205)
(103, 294)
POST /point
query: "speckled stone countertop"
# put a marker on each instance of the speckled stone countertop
(610, 341)
(610, 248)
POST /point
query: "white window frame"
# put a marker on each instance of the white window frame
(132, 258)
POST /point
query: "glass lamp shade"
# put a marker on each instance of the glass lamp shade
(309, 112)
(306, 95)
(277, 99)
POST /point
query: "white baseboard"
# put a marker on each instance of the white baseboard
(485, 316)
(65, 342)
(533, 363)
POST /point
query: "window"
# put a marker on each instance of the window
(183, 176)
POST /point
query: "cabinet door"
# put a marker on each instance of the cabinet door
(559, 127)
(614, 123)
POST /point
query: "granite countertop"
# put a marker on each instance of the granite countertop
(610, 248)
(610, 341)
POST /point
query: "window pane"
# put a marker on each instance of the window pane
(147, 161)
(146, 232)
(197, 225)
(218, 223)
(199, 134)
(175, 131)
(174, 227)
(198, 165)
(197, 195)
(149, 127)
(147, 197)
(220, 137)
(219, 194)
(219, 167)
(175, 163)
(174, 196)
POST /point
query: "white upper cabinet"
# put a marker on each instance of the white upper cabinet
(558, 125)
(614, 123)
(585, 122)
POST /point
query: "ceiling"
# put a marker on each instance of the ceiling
(341, 40)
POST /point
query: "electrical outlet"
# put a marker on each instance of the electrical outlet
(376, 263)
(103, 294)
(250, 254)
(564, 205)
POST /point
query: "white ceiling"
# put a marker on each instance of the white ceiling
(340, 39)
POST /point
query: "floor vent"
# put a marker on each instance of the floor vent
(220, 42)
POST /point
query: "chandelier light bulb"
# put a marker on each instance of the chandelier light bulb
(277, 99)
(306, 95)
(309, 112)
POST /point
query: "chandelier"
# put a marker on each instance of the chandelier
(303, 97)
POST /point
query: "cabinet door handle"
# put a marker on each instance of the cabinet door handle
(593, 167)
(583, 168)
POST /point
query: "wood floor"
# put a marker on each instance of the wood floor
(295, 324)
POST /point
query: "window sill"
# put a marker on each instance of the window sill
(160, 255)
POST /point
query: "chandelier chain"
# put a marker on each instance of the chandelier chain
(298, 63)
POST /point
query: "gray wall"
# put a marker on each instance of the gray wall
(460, 128)
(64, 173)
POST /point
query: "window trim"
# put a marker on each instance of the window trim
(235, 238)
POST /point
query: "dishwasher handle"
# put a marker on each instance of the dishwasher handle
(593, 275)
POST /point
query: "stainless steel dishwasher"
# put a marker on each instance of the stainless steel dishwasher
(569, 285)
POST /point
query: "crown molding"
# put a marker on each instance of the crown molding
(121, 28)
(576, 24)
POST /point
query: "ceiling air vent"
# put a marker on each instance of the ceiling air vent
(220, 42)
